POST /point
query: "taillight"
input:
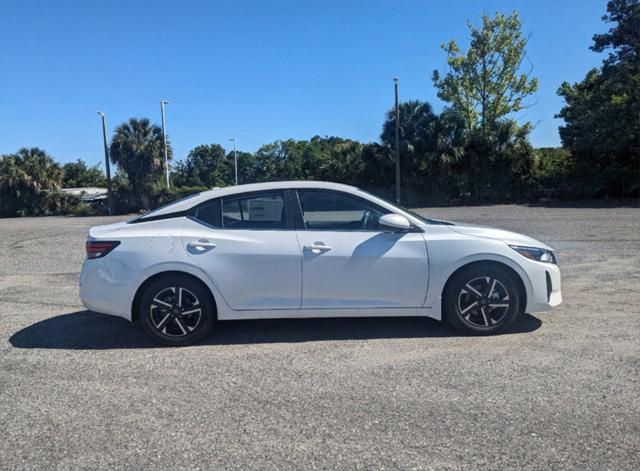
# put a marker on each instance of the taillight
(100, 248)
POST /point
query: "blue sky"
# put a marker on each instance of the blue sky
(256, 70)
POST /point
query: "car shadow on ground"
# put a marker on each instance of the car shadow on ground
(86, 330)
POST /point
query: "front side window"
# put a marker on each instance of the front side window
(323, 210)
(262, 211)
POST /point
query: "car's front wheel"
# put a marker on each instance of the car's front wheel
(176, 310)
(482, 300)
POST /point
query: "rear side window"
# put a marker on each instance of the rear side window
(261, 211)
(324, 210)
(210, 213)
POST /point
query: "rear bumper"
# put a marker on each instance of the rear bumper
(546, 287)
(107, 286)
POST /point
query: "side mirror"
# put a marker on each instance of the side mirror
(396, 222)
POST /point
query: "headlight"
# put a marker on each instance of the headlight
(534, 253)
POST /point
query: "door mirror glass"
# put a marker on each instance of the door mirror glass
(396, 222)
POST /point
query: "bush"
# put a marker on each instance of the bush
(62, 203)
(44, 203)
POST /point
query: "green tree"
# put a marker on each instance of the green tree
(417, 124)
(623, 39)
(25, 177)
(334, 159)
(320, 158)
(428, 148)
(137, 149)
(553, 166)
(279, 160)
(602, 112)
(485, 83)
(483, 87)
(246, 166)
(78, 175)
(378, 172)
(206, 165)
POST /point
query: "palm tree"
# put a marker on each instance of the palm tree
(427, 147)
(23, 176)
(41, 168)
(416, 122)
(13, 177)
(137, 149)
(29, 170)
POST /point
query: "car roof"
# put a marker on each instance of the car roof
(194, 200)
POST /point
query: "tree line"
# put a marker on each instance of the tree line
(473, 151)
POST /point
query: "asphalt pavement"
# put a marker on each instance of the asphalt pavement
(80, 390)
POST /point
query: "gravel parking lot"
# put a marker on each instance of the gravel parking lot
(559, 391)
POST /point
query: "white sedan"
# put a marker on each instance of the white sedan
(309, 249)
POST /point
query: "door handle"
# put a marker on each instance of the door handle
(201, 245)
(317, 248)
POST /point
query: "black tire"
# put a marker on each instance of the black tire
(176, 310)
(482, 300)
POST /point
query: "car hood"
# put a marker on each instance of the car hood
(511, 238)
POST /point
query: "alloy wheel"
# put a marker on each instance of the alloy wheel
(483, 302)
(175, 311)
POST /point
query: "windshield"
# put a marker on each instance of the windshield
(407, 210)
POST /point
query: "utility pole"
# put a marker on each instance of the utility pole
(106, 161)
(164, 137)
(397, 118)
(235, 158)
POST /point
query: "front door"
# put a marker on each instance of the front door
(348, 261)
(247, 246)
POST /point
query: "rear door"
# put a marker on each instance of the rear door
(247, 245)
(348, 261)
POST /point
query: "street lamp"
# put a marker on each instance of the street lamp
(164, 137)
(106, 160)
(397, 117)
(235, 158)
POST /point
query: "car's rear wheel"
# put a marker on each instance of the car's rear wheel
(482, 300)
(176, 310)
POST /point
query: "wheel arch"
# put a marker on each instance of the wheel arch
(520, 282)
(135, 303)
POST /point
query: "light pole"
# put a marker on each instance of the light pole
(106, 160)
(397, 117)
(235, 158)
(164, 137)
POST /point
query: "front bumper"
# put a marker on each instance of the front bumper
(107, 286)
(546, 287)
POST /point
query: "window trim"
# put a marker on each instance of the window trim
(160, 217)
(289, 223)
(301, 223)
